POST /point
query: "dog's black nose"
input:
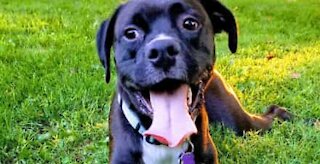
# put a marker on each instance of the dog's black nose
(162, 53)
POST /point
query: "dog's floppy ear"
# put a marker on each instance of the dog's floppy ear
(105, 38)
(222, 20)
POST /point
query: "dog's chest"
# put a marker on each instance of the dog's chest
(160, 154)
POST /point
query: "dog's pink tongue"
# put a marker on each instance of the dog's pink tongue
(171, 122)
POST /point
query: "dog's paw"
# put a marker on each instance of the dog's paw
(279, 112)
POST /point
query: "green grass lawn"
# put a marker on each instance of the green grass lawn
(54, 101)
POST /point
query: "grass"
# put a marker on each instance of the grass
(54, 102)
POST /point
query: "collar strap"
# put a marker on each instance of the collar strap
(134, 121)
(132, 117)
(197, 104)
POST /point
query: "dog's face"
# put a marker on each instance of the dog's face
(162, 48)
(159, 43)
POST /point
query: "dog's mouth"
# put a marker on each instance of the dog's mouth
(173, 106)
(166, 86)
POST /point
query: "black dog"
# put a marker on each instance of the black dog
(167, 87)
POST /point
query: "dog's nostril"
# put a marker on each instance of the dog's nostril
(153, 54)
(172, 51)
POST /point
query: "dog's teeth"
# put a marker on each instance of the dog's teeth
(189, 98)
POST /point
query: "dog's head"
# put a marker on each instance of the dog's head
(162, 48)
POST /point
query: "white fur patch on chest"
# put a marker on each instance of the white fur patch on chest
(161, 154)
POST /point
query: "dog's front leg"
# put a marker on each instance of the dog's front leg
(223, 106)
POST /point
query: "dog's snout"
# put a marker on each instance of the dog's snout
(163, 53)
(164, 49)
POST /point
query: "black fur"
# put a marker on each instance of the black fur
(144, 64)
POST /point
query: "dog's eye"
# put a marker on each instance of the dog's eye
(131, 34)
(191, 24)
